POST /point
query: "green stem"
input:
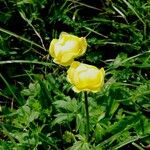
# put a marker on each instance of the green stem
(87, 115)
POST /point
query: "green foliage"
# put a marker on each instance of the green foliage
(39, 110)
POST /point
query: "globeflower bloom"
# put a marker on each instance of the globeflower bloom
(68, 47)
(85, 77)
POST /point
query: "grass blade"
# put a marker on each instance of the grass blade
(21, 38)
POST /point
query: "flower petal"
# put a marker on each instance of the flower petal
(66, 48)
(85, 77)
(83, 45)
(70, 72)
(52, 47)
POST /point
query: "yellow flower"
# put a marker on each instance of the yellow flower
(66, 48)
(85, 77)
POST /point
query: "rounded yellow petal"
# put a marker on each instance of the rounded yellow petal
(70, 72)
(85, 77)
(63, 34)
(76, 89)
(102, 71)
(52, 47)
(83, 46)
(66, 59)
(67, 36)
(68, 47)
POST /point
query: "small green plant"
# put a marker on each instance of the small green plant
(39, 109)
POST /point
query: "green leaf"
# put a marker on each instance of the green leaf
(79, 145)
(68, 105)
(62, 118)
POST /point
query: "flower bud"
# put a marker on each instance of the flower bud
(85, 77)
(66, 48)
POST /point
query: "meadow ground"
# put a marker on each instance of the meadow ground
(39, 109)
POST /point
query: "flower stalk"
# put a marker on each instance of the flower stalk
(87, 114)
